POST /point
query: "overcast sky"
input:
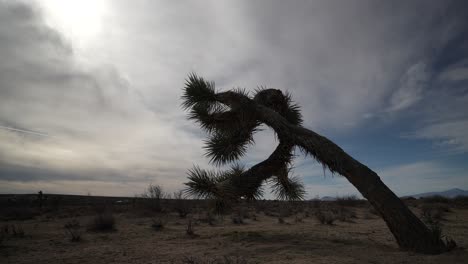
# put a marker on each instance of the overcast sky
(90, 90)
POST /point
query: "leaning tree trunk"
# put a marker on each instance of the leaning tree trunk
(409, 231)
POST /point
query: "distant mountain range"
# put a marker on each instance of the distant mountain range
(452, 193)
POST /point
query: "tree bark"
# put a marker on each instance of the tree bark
(409, 231)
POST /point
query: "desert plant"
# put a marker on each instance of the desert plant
(298, 218)
(344, 214)
(232, 117)
(216, 260)
(237, 219)
(158, 223)
(154, 194)
(326, 216)
(72, 228)
(3, 234)
(190, 230)
(210, 218)
(103, 221)
(434, 211)
(181, 205)
(17, 230)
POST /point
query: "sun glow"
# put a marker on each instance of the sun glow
(79, 20)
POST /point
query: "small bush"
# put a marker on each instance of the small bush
(210, 219)
(154, 195)
(190, 231)
(434, 211)
(281, 220)
(73, 230)
(17, 230)
(345, 215)
(325, 216)
(220, 260)
(3, 234)
(298, 219)
(237, 219)
(158, 223)
(102, 222)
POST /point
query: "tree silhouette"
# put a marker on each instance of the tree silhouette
(232, 117)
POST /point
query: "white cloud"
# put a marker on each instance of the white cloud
(112, 106)
(411, 88)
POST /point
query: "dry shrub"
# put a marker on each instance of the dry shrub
(102, 222)
(236, 259)
(13, 230)
(73, 230)
(325, 216)
(281, 220)
(298, 219)
(190, 230)
(153, 196)
(181, 205)
(237, 219)
(345, 214)
(158, 223)
(434, 211)
(238, 216)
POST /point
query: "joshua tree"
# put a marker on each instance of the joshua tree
(232, 117)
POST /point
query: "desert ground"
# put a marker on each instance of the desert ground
(269, 232)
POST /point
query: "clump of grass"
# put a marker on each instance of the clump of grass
(73, 230)
(103, 222)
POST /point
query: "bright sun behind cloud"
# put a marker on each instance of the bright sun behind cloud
(79, 20)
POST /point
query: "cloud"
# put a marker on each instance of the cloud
(412, 86)
(111, 108)
(97, 126)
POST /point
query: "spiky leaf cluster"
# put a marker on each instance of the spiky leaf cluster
(230, 132)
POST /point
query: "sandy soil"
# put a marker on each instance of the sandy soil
(367, 240)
